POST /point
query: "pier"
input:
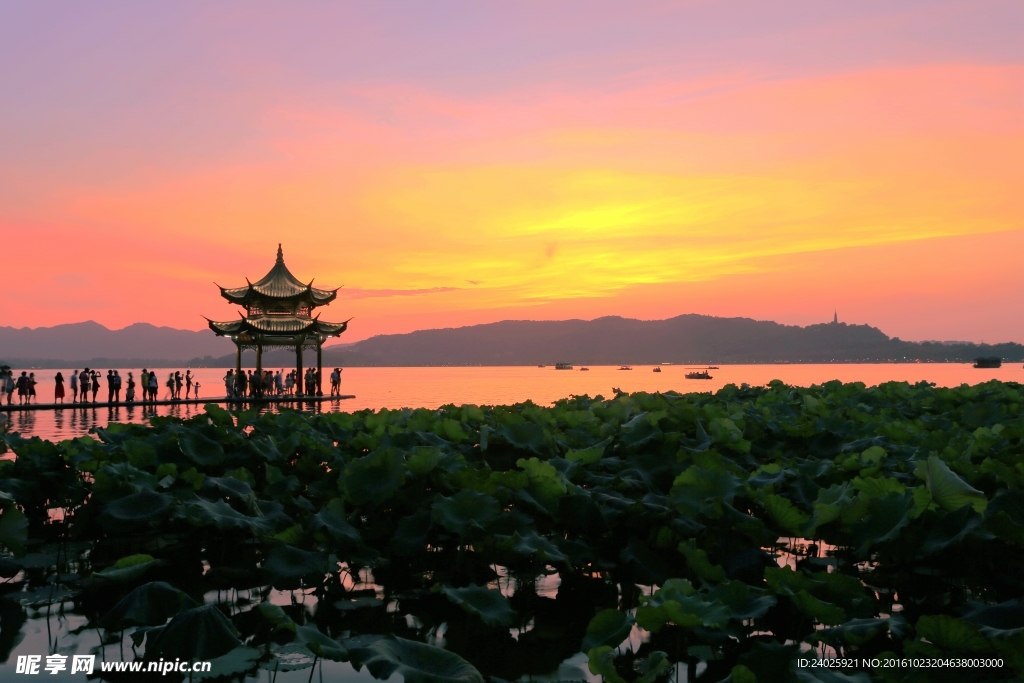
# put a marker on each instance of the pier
(179, 402)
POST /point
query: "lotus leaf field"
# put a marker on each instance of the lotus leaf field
(656, 537)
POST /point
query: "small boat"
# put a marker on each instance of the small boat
(584, 369)
(625, 367)
(988, 362)
(712, 367)
(540, 366)
(657, 369)
(563, 366)
(703, 374)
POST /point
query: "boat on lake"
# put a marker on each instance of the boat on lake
(625, 367)
(563, 366)
(988, 362)
(584, 369)
(657, 369)
(703, 374)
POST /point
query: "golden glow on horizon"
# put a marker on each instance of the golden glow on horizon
(543, 201)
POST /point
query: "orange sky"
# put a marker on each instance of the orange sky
(520, 162)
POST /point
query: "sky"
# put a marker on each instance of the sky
(454, 163)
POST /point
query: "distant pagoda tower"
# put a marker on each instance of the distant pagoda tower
(279, 314)
(835, 317)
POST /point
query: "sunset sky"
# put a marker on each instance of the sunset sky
(452, 163)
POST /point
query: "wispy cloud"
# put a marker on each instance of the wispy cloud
(355, 293)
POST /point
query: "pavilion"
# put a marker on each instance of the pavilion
(279, 314)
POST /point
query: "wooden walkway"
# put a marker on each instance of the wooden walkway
(193, 401)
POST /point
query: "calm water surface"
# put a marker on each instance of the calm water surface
(433, 387)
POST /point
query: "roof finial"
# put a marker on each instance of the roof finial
(280, 254)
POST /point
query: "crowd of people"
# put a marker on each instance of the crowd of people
(84, 386)
(256, 384)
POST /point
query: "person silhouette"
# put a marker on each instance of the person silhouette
(58, 388)
(22, 387)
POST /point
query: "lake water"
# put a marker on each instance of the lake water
(433, 387)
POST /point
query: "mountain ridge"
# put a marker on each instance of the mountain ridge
(609, 340)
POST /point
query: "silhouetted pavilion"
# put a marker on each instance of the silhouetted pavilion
(279, 314)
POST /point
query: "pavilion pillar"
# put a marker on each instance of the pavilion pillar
(298, 367)
(259, 368)
(238, 370)
(319, 369)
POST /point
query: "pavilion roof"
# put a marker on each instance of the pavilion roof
(278, 325)
(278, 284)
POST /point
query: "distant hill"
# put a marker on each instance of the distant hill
(691, 339)
(91, 343)
(683, 339)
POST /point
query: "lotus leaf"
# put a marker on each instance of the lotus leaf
(489, 605)
(13, 530)
(414, 662)
(411, 535)
(151, 604)
(537, 548)
(1005, 516)
(375, 478)
(422, 460)
(197, 633)
(200, 448)
(290, 657)
(601, 662)
(948, 489)
(951, 634)
(786, 515)
(527, 437)
(997, 621)
(466, 512)
(319, 644)
(336, 527)
(287, 563)
(861, 631)
(358, 603)
(820, 611)
(745, 602)
(135, 511)
(609, 627)
(128, 569)
(699, 563)
(655, 666)
(219, 514)
(883, 520)
(650, 568)
(275, 616)
(616, 493)
(228, 486)
(239, 661)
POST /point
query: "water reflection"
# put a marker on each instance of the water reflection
(433, 387)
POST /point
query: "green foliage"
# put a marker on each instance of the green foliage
(414, 662)
(737, 530)
(151, 604)
(490, 606)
